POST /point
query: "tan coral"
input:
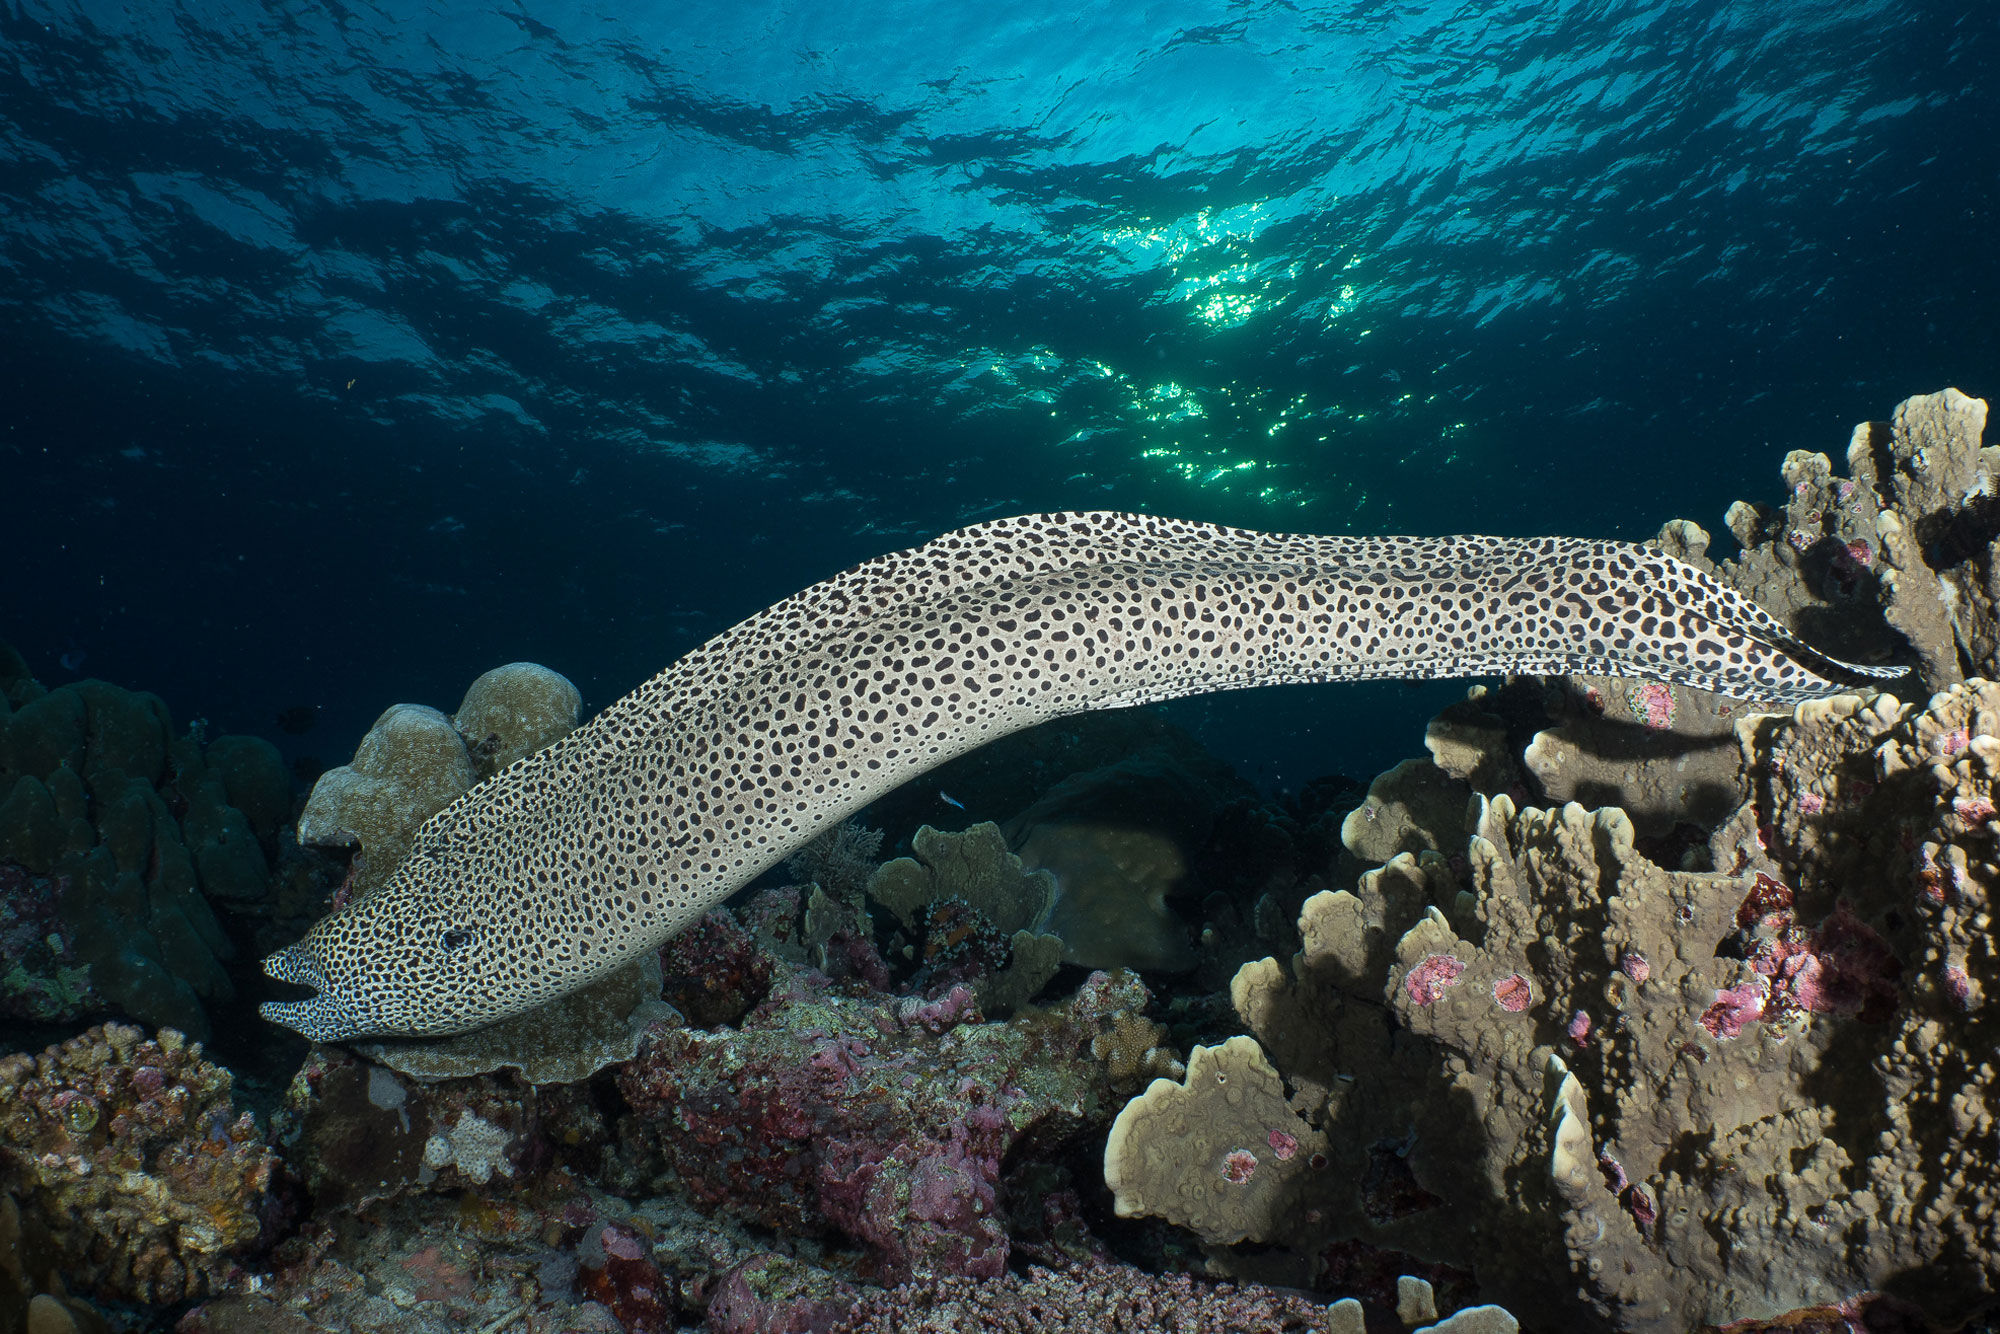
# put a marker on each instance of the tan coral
(1663, 754)
(1940, 581)
(1134, 1051)
(1414, 807)
(973, 866)
(410, 765)
(1587, 1093)
(513, 711)
(1219, 1153)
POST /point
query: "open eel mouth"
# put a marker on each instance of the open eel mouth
(310, 1016)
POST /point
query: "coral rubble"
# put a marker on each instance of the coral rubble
(130, 1154)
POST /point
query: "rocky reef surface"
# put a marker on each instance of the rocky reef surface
(1622, 1008)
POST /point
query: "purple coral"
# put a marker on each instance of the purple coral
(1238, 1166)
(886, 1119)
(1958, 986)
(1431, 978)
(1840, 966)
(1513, 993)
(1652, 703)
(1734, 1008)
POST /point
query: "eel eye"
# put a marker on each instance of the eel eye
(456, 938)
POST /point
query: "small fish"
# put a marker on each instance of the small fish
(299, 719)
(72, 661)
(950, 800)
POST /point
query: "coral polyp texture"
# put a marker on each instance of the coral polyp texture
(129, 1153)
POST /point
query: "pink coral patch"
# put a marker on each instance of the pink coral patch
(1513, 993)
(1579, 1027)
(1958, 986)
(1283, 1145)
(1811, 803)
(1429, 979)
(1634, 966)
(1734, 1008)
(1652, 703)
(1973, 810)
(1238, 1166)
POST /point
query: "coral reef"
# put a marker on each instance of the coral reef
(977, 911)
(886, 1119)
(1629, 1007)
(1751, 1080)
(359, 1132)
(130, 1155)
(127, 832)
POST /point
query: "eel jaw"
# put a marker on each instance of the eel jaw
(315, 1017)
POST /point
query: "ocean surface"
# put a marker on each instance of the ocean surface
(348, 350)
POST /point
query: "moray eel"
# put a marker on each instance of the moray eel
(579, 858)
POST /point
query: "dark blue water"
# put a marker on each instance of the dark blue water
(347, 351)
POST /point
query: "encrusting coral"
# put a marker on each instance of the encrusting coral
(887, 1118)
(130, 1154)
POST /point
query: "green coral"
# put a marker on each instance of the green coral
(140, 831)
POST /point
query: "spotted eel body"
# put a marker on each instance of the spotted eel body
(581, 857)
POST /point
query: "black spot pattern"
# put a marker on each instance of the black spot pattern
(577, 859)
